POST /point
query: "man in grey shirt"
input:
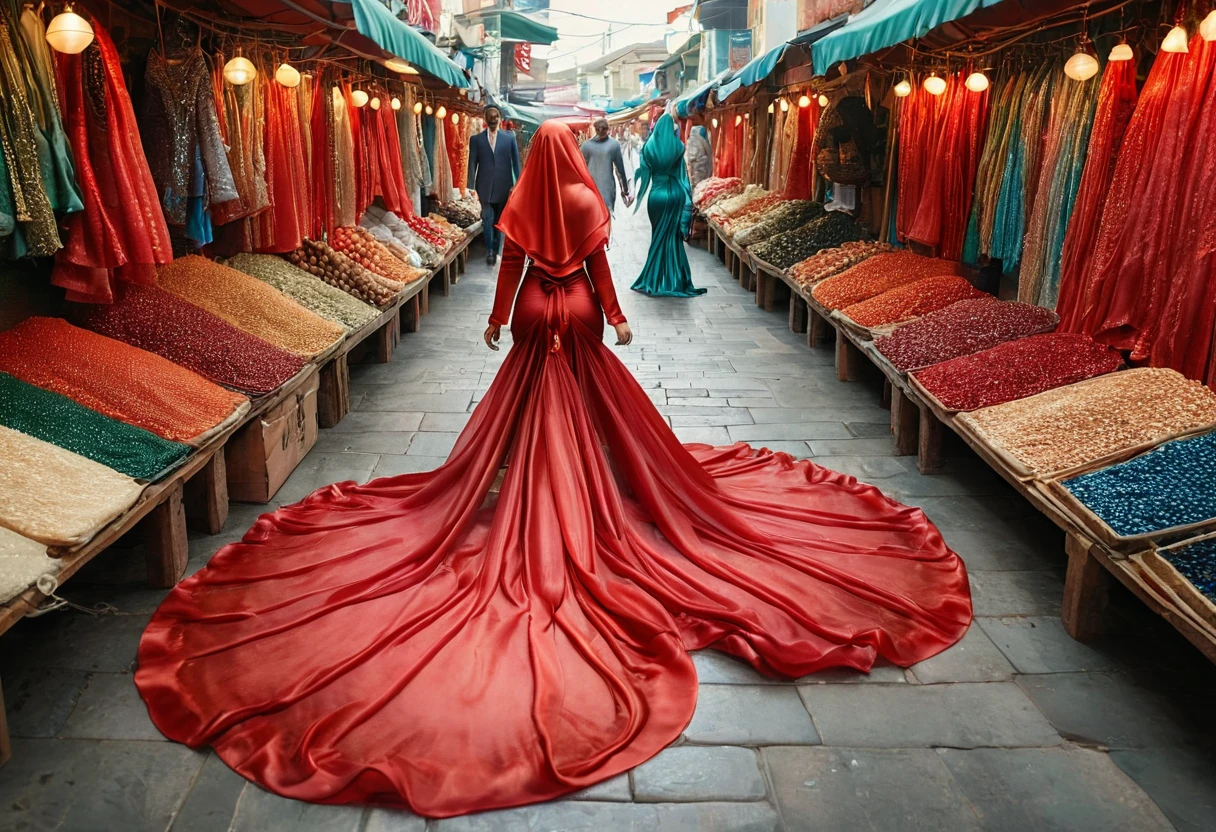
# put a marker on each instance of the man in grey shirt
(603, 155)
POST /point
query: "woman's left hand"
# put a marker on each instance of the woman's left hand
(624, 335)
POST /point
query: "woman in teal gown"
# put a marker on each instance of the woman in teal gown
(662, 171)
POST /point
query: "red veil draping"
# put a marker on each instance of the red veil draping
(427, 641)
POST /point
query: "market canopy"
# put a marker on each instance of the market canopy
(697, 97)
(515, 26)
(374, 21)
(886, 23)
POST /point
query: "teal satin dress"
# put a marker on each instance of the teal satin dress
(662, 171)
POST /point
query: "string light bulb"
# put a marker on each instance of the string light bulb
(804, 101)
(1175, 41)
(442, 112)
(417, 108)
(823, 102)
(738, 120)
(1081, 66)
(398, 65)
(358, 98)
(1207, 29)
(430, 111)
(785, 106)
(68, 32)
(375, 102)
(977, 81)
(770, 109)
(455, 118)
(714, 122)
(935, 85)
(903, 89)
(287, 75)
(395, 103)
(1121, 52)
(240, 71)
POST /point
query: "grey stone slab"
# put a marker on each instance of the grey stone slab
(615, 789)
(707, 435)
(784, 415)
(1110, 709)
(1016, 593)
(378, 442)
(391, 466)
(749, 401)
(446, 422)
(260, 811)
(993, 514)
(376, 422)
(718, 668)
(925, 716)
(750, 715)
(734, 381)
(1005, 550)
(878, 446)
(974, 659)
(110, 708)
(691, 417)
(1068, 789)
(801, 450)
(433, 444)
(1040, 644)
(393, 398)
(882, 673)
(1182, 783)
(393, 820)
(38, 701)
(690, 773)
(868, 430)
(317, 470)
(72, 640)
(688, 393)
(587, 816)
(854, 789)
(799, 431)
(211, 803)
(876, 470)
(79, 785)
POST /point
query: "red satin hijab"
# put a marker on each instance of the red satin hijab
(555, 213)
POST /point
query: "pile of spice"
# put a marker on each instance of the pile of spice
(385, 224)
(826, 232)
(359, 245)
(310, 292)
(116, 379)
(1171, 485)
(731, 205)
(338, 270)
(1017, 369)
(1196, 563)
(785, 217)
(823, 265)
(1086, 422)
(903, 303)
(152, 319)
(963, 328)
(448, 230)
(750, 214)
(713, 189)
(57, 419)
(249, 304)
(458, 212)
(428, 231)
(876, 275)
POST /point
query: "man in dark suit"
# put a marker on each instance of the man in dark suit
(493, 170)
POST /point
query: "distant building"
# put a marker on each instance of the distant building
(618, 76)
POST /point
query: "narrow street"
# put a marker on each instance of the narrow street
(1018, 727)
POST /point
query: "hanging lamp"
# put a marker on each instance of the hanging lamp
(68, 32)
(395, 103)
(430, 111)
(770, 108)
(1121, 52)
(287, 75)
(455, 118)
(359, 98)
(375, 102)
(977, 81)
(785, 105)
(714, 122)
(1207, 29)
(398, 65)
(903, 89)
(240, 71)
(442, 112)
(1175, 41)
(1081, 66)
(935, 84)
(417, 108)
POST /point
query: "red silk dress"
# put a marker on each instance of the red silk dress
(423, 641)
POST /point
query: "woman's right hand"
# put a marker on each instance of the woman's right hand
(624, 335)
(492, 333)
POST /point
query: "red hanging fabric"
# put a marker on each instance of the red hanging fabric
(321, 127)
(392, 162)
(800, 181)
(1116, 103)
(282, 227)
(919, 113)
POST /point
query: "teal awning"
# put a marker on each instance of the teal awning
(759, 68)
(516, 26)
(697, 97)
(886, 23)
(374, 21)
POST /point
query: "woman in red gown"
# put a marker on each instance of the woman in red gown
(422, 641)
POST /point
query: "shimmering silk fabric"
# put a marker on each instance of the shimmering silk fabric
(54, 496)
(59, 420)
(250, 304)
(800, 183)
(421, 641)
(116, 379)
(663, 173)
(283, 226)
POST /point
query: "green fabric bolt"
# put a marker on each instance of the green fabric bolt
(60, 421)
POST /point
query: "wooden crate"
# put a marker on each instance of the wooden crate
(262, 454)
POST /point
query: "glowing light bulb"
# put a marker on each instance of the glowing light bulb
(823, 101)
(375, 102)
(1081, 66)
(738, 120)
(977, 82)
(69, 33)
(398, 65)
(714, 122)
(240, 71)
(903, 89)
(1122, 52)
(770, 109)
(442, 112)
(935, 85)
(358, 98)
(430, 110)
(455, 118)
(418, 108)
(287, 75)
(395, 103)
(1175, 41)
(1207, 29)
(785, 106)
(804, 101)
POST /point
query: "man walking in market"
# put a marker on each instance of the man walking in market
(603, 156)
(493, 171)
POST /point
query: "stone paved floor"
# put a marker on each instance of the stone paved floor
(1015, 728)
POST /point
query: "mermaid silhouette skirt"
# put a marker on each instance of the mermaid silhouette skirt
(422, 641)
(666, 272)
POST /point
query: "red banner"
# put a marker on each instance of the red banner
(523, 57)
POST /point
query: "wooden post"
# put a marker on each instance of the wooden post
(764, 282)
(905, 423)
(886, 393)
(929, 448)
(799, 313)
(386, 338)
(166, 548)
(848, 358)
(411, 314)
(6, 746)
(206, 494)
(425, 295)
(333, 395)
(815, 332)
(447, 278)
(1086, 591)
